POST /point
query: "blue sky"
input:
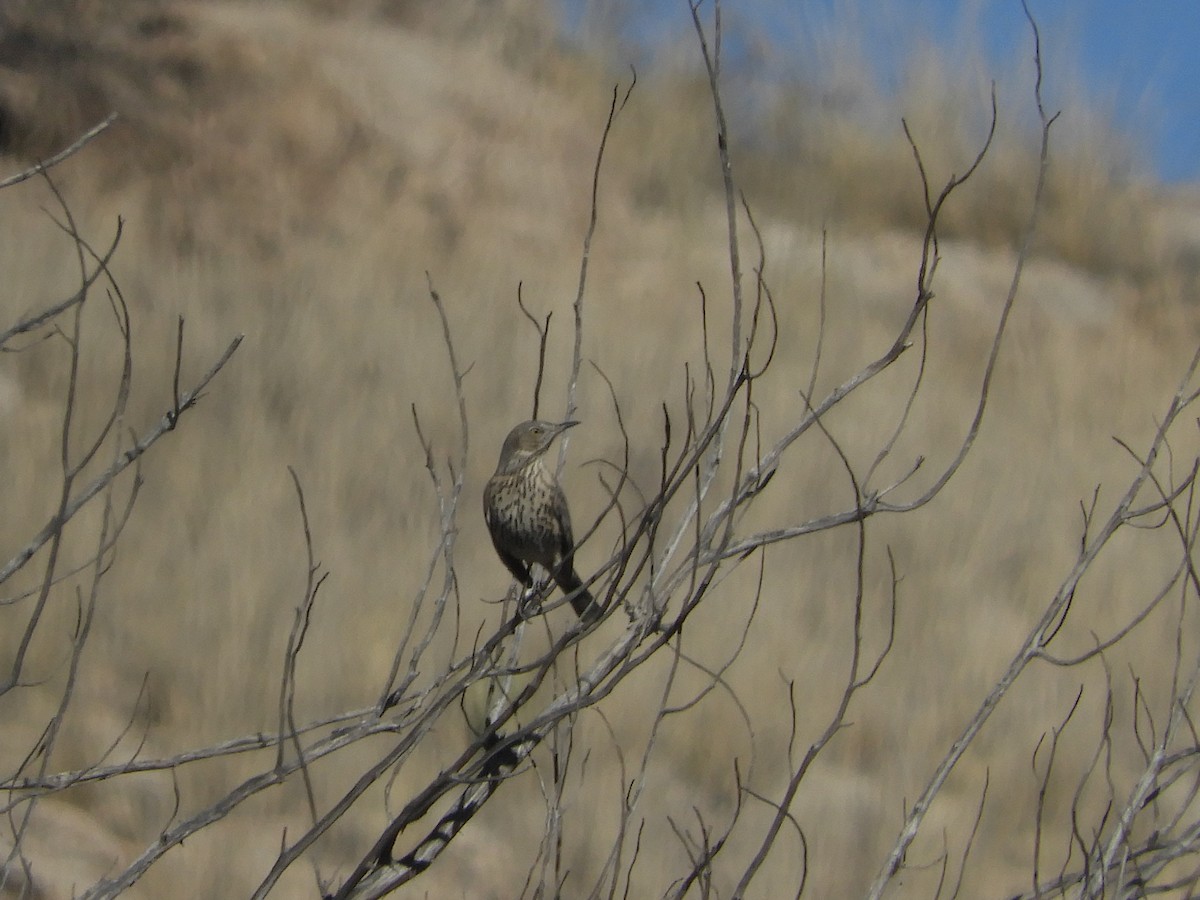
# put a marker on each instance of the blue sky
(1139, 58)
(1156, 46)
(1143, 57)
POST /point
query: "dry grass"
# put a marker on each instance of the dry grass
(293, 176)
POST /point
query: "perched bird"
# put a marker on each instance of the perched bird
(526, 513)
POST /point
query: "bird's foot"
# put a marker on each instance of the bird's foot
(529, 604)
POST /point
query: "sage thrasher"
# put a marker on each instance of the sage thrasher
(526, 513)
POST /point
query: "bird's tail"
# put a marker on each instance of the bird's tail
(581, 600)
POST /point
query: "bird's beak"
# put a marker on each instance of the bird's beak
(559, 429)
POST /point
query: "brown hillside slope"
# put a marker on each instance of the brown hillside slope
(291, 173)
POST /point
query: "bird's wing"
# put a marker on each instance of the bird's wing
(568, 537)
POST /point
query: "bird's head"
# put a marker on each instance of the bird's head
(529, 440)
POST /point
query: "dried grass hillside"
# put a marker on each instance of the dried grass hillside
(298, 172)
